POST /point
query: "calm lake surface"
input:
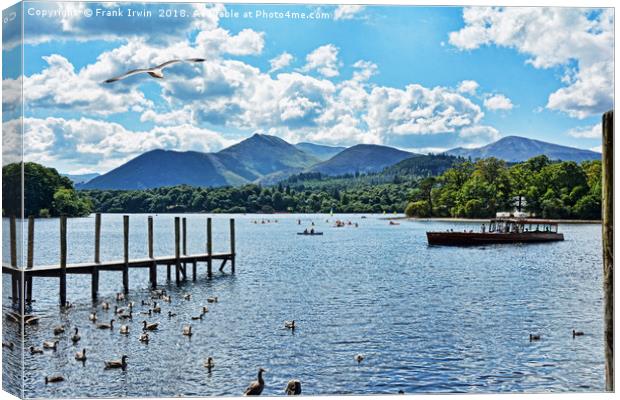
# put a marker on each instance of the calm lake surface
(427, 319)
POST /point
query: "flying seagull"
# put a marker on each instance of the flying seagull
(155, 72)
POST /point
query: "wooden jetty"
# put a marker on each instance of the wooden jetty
(21, 278)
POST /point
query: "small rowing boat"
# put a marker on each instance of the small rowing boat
(310, 234)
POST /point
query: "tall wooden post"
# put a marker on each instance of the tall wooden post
(29, 260)
(153, 267)
(94, 287)
(126, 253)
(608, 246)
(184, 235)
(232, 244)
(63, 260)
(209, 248)
(177, 248)
(13, 251)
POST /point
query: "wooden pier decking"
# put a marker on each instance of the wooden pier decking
(22, 278)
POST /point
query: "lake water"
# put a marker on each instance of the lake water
(427, 319)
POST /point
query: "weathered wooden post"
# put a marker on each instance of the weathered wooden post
(153, 267)
(209, 248)
(13, 250)
(232, 244)
(29, 260)
(608, 246)
(126, 253)
(184, 235)
(94, 287)
(177, 248)
(63, 260)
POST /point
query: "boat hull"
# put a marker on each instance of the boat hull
(477, 238)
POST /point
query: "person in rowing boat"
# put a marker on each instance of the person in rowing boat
(306, 231)
(312, 231)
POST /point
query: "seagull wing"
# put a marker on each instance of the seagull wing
(171, 62)
(126, 74)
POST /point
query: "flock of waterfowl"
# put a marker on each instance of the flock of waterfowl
(125, 314)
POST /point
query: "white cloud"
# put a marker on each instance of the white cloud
(498, 102)
(553, 37)
(468, 86)
(364, 70)
(281, 61)
(478, 135)
(587, 132)
(88, 144)
(60, 87)
(347, 11)
(324, 60)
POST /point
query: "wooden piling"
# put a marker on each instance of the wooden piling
(29, 260)
(94, 286)
(209, 248)
(153, 267)
(608, 246)
(63, 260)
(13, 251)
(177, 248)
(126, 253)
(232, 244)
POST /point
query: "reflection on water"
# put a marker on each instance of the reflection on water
(427, 319)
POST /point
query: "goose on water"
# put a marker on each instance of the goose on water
(197, 317)
(187, 330)
(256, 387)
(124, 330)
(81, 355)
(93, 316)
(534, 337)
(155, 72)
(126, 316)
(106, 326)
(122, 363)
(8, 345)
(76, 336)
(149, 327)
(50, 344)
(54, 378)
(35, 350)
(187, 296)
(120, 296)
(58, 330)
(171, 314)
(289, 324)
(156, 308)
(209, 364)
(577, 333)
(105, 305)
(212, 299)
(359, 358)
(205, 309)
(144, 338)
(293, 388)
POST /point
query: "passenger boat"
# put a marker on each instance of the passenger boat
(501, 230)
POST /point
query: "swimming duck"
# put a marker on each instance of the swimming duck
(187, 330)
(209, 364)
(58, 330)
(106, 326)
(50, 344)
(289, 324)
(124, 330)
(534, 337)
(81, 355)
(35, 350)
(76, 336)
(212, 299)
(122, 363)
(149, 327)
(256, 387)
(144, 338)
(54, 378)
(293, 388)
(577, 333)
(359, 358)
(93, 317)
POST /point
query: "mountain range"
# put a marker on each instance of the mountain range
(516, 149)
(269, 159)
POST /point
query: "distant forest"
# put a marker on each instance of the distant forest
(431, 186)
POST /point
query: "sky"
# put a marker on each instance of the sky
(424, 79)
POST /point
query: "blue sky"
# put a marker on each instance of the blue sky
(419, 78)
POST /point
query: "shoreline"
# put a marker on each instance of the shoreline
(482, 220)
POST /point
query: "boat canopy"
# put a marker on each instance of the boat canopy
(520, 225)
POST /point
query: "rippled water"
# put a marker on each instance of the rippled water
(428, 319)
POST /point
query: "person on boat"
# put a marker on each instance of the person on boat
(483, 228)
(312, 231)
(306, 231)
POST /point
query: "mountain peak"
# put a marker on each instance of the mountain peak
(518, 148)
